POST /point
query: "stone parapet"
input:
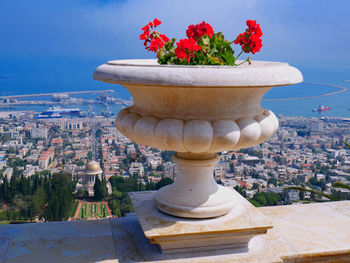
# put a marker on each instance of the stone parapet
(301, 233)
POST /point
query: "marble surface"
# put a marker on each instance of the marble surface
(235, 228)
(132, 246)
(301, 233)
(75, 241)
(314, 230)
(148, 71)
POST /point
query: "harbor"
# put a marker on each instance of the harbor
(58, 105)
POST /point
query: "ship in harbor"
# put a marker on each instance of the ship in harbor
(61, 111)
(321, 108)
(58, 112)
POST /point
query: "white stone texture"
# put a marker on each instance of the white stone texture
(301, 233)
(197, 194)
(197, 136)
(196, 111)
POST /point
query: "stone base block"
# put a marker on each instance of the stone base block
(177, 235)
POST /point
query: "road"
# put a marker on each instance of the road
(94, 142)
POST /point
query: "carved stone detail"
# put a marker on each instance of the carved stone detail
(196, 136)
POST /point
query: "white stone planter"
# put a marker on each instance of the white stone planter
(196, 111)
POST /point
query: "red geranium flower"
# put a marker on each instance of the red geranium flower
(254, 27)
(250, 40)
(156, 22)
(186, 49)
(155, 40)
(145, 35)
(199, 30)
(157, 43)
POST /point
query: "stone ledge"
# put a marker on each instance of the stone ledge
(75, 241)
(301, 233)
(319, 232)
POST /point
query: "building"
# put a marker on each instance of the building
(136, 168)
(92, 170)
(44, 162)
(316, 127)
(87, 181)
(8, 173)
(60, 97)
(170, 170)
(291, 195)
(46, 158)
(38, 132)
(29, 170)
(71, 124)
(56, 141)
(219, 173)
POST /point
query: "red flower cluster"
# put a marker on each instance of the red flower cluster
(186, 49)
(202, 46)
(250, 40)
(155, 40)
(199, 30)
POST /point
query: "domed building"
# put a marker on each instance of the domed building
(86, 181)
(92, 170)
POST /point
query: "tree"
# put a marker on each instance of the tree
(100, 189)
(116, 194)
(272, 180)
(165, 181)
(232, 167)
(241, 190)
(115, 207)
(255, 186)
(39, 200)
(89, 155)
(124, 185)
(167, 156)
(266, 199)
(60, 196)
(254, 203)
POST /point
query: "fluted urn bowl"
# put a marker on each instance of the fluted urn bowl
(196, 111)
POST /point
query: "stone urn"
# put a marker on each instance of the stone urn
(197, 112)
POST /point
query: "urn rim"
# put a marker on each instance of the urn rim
(149, 72)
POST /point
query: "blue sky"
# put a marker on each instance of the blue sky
(56, 44)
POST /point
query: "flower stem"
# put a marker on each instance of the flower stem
(242, 62)
(238, 56)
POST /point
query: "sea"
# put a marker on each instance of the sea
(34, 76)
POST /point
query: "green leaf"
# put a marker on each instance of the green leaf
(229, 58)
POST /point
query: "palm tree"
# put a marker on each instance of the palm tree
(347, 144)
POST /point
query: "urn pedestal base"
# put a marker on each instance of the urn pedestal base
(195, 194)
(178, 235)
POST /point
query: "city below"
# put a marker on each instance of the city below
(67, 164)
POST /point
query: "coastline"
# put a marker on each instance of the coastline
(296, 100)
